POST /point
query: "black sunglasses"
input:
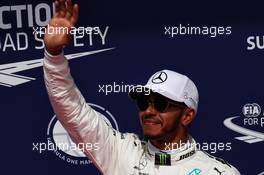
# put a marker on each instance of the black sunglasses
(161, 104)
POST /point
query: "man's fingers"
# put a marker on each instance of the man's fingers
(69, 6)
(62, 5)
(69, 9)
(57, 8)
(62, 8)
(75, 14)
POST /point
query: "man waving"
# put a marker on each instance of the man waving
(167, 105)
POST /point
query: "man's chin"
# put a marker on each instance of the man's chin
(152, 132)
(152, 136)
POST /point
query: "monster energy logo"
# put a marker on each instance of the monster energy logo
(162, 159)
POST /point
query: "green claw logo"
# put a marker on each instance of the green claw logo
(163, 159)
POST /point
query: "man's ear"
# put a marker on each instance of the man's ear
(187, 117)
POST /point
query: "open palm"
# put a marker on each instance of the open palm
(58, 30)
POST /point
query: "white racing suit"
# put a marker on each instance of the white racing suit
(118, 153)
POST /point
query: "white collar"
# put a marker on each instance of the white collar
(187, 150)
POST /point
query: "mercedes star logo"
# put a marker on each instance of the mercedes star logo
(159, 77)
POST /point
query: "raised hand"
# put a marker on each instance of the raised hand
(65, 17)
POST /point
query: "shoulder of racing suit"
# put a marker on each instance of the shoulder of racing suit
(217, 166)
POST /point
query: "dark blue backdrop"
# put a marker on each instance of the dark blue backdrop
(227, 74)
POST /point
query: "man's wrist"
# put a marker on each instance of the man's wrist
(54, 52)
(54, 59)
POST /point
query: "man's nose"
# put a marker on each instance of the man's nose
(150, 109)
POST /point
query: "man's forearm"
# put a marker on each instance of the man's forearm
(83, 124)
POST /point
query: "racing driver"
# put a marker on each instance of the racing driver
(167, 105)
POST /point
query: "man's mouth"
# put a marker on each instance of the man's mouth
(151, 121)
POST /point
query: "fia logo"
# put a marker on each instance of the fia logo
(251, 110)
